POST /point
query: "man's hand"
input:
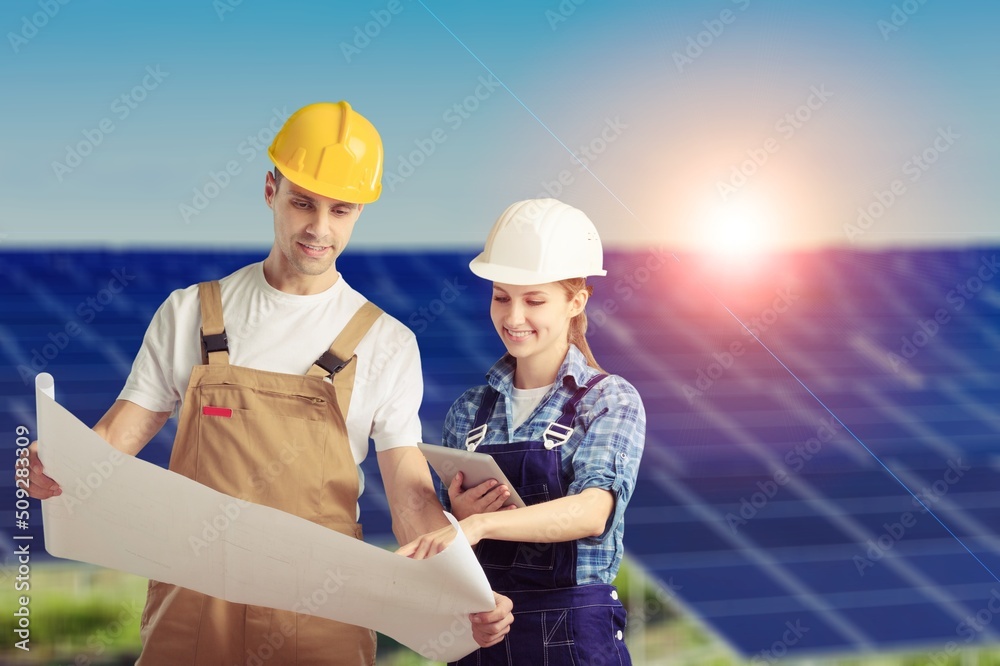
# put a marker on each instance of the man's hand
(40, 486)
(126, 426)
(486, 497)
(490, 627)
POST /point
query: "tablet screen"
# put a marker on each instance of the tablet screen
(477, 468)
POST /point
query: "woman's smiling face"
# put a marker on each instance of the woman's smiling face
(533, 320)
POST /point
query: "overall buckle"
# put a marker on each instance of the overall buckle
(475, 437)
(331, 363)
(215, 343)
(556, 435)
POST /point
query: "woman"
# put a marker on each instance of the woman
(568, 437)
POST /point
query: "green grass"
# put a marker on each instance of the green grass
(87, 615)
(79, 614)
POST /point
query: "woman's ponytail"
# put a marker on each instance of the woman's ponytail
(578, 325)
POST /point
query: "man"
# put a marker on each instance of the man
(285, 372)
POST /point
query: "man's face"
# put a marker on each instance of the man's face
(310, 230)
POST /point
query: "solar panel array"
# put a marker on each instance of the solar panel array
(822, 462)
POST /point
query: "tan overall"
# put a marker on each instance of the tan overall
(273, 439)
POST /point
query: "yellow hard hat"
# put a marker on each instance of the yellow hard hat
(332, 150)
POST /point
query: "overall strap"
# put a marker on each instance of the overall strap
(336, 362)
(569, 409)
(214, 343)
(478, 431)
(561, 429)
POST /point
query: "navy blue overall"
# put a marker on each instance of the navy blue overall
(556, 621)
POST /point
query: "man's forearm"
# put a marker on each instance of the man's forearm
(415, 507)
(129, 427)
(421, 515)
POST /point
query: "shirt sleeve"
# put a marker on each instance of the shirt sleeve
(449, 438)
(150, 383)
(608, 456)
(456, 424)
(396, 420)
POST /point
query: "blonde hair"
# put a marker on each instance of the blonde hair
(578, 325)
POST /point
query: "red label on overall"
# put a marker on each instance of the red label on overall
(225, 412)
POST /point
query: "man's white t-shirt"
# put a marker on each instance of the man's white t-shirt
(271, 330)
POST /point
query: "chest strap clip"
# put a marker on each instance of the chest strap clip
(475, 438)
(331, 363)
(214, 342)
(556, 435)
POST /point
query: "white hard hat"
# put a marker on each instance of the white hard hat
(538, 241)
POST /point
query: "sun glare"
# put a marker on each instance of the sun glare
(738, 229)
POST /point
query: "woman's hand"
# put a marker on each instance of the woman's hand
(429, 544)
(488, 496)
(432, 543)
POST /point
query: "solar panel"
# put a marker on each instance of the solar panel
(779, 473)
(827, 483)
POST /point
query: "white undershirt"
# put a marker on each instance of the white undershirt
(524, 401)
(279, 332)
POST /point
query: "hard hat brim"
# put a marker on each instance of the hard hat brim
(519, 276)
(345, 194)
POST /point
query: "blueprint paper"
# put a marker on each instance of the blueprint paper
(124, 513)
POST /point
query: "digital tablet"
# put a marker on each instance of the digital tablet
(477, 467)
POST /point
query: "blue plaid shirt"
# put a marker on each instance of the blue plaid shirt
(603, 452)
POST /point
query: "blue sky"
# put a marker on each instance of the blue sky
(744, 123)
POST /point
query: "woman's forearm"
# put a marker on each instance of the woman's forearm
(564, 519)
